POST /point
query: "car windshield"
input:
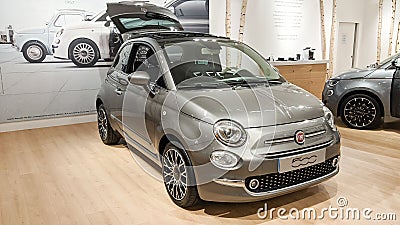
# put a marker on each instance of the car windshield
(101, 16)
(211, 62)
(388, 60)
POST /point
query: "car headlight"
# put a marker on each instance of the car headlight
(230, 133)
(333, 82)
(60, 32)
(329, 118)
(224, 159)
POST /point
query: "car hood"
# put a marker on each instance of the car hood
(251, 107)
(355, 74)
(32, 30)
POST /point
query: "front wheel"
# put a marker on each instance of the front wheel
(84, 53)
(179, 177)
(361, 111)
(34, 52)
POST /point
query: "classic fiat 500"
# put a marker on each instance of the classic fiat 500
(222, 124)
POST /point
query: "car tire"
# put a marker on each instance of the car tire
(185, 196)
(107, 134)
(361, 111)
(84, 53)
(34, 52)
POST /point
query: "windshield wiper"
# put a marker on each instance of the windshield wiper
(201, 85)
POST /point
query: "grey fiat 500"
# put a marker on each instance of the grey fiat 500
(219, 121)
(363, 97)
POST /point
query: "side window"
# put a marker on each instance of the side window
(122, 60)
(66, 19)
(146, 60)
(189, 9)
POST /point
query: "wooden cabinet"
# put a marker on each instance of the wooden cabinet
(310, 76)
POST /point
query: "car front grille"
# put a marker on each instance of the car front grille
(276, 181)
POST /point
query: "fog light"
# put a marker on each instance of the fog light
(224, 159)
(330, 93)
(254, 183)
(335, 162)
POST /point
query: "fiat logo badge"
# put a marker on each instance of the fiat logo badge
(300, 137)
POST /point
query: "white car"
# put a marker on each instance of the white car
(90, 41)
(35, 42)
(87, 42)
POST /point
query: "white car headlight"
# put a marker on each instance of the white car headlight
(330, 119)
(224, 159)
(230, 133)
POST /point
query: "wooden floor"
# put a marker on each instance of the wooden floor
(65, 175)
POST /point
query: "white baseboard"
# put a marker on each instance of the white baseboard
(33, 124)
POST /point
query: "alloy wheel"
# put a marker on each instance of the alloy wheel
(360, 112)
(175, 174)
(102, 123)
(34, 52)
(83, 53)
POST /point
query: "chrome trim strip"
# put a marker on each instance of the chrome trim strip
(278, 141)
(315, 134)
(295, 187)
(230, 183)
(315, 147)
(289, 139)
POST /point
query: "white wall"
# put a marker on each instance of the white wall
(261, 34)
(261, 31)
(29, 13)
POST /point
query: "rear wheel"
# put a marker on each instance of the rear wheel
(107, 134)
(84, 53)
(179, 177)
(34, 52)
(361, 111)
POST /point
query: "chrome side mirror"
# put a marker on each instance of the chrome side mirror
(140, 78)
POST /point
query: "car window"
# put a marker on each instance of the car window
(66, 19)
(195, 8)
(388, 62)
(122, 60)
(146, 60)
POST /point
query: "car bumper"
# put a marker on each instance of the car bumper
(233, 186)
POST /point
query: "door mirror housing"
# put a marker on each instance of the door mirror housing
(396, 63)
(139, 78)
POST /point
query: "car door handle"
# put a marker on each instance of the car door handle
(118, 91)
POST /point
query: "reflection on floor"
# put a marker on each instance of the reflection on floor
(45, 89)
(65, 175)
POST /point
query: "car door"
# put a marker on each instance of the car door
(116, 83)
(62, 20)
(193, 15)
(395, 94)
(137, 114)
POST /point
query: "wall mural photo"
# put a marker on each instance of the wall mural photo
(55, 68)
